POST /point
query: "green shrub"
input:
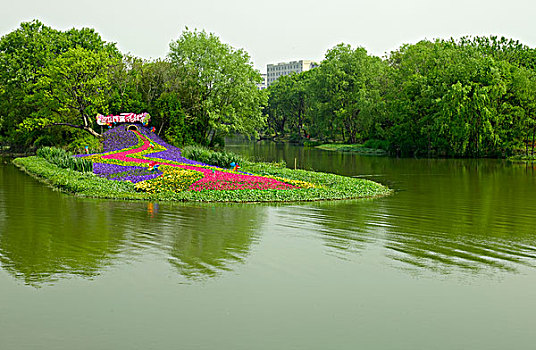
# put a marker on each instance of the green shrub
(64, 159)
(221, 159)
(78, 145)
(199, 153)
(377, 144)
(311, 143)
(295, 138)
(44, 141)
(522, 158)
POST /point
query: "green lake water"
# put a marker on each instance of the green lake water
(446, 262)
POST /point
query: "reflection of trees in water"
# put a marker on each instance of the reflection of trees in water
(212, 239)
(342, 225)
(459, 241)
(199, 240)
(441, 253)
(46, 236)
(471, 215)
(468, 214)
(448, 214)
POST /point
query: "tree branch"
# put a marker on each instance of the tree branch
(85, 128)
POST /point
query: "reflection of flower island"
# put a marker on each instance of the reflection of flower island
(137, 164)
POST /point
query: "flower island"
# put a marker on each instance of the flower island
(137, 164)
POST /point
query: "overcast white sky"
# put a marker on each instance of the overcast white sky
(279, 30)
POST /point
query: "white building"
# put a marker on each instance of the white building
(263, 85)
(274, 71)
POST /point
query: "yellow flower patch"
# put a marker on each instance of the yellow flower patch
(173, 179)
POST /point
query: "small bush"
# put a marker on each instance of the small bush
(79, 144)
(295, 138)
(64, 159)
(204, 155)
(377, 144)
(522, 158)
(44, 141)
(311, 143)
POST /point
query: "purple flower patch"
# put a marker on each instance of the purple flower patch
(118, 138)
(124, 173)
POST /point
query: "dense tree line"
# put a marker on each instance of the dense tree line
(53, 83)
(471, 97)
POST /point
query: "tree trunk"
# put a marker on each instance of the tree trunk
(533, 134)
(211, 136)
(429, 138)
(527, 144)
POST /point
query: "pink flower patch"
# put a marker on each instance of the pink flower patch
(229, 181)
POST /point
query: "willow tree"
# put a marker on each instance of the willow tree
(459, 99)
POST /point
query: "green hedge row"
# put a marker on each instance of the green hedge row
(65, 159)
(204, 155)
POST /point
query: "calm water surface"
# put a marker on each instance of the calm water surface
(447, 262)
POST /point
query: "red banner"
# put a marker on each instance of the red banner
(143, 118)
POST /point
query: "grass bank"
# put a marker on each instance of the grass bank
(326, 186)
(360, 149)
(522, 159)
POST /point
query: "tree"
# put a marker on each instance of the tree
(72, 89)
(347, 89)
(217, 86)
(456, 98)
(24, 54)
(524, 93)
(288, 105)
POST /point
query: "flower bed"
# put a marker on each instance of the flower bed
(147, 168)
(137, 155)
(173, 179)
(118, 138)
(117, 172)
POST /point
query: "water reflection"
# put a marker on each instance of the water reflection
(446, 216)
(152, 209)
(472, 215)
(209, 239)
(340, 225)
(46, 236)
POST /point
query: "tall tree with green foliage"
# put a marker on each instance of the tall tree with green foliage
(25, 54)
(149, 86)
(217, 86)
(348, 91)
(524, 106)
(456, 99)
(470, 97)
(288, 106)
(72, 89)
